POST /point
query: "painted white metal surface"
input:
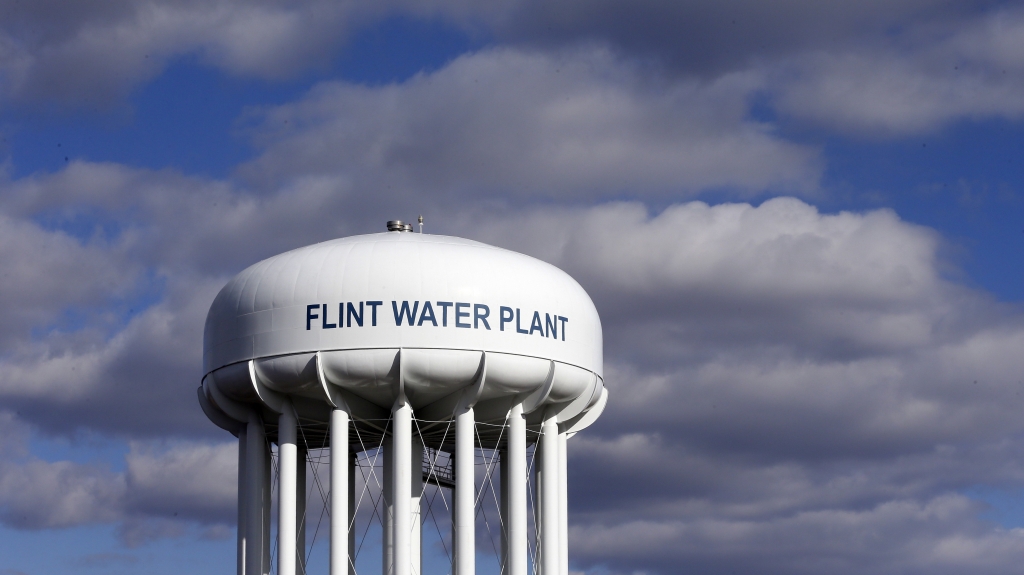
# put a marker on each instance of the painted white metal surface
(466, 295)
(288, 493)
(409, 329)
(465, 494)
(518, 481)
(340, 493)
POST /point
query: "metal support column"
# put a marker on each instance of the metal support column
(548, 488)
(563, 505)
(340, 462)
(257, 493)
(465, 494)
(352, 512)
(416, 520)
(517, 482)
(503, 505)
(287, 489)
(401, 498)
(243, 500)
(388, 508)
(301, 456)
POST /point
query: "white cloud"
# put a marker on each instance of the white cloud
(39, 494)
(163, 487)
(508, 123)
(779, 372)
(47, 273)
(940, 535)
(190, 480)
(917, 82)
(97, 51)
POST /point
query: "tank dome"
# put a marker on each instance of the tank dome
(346, 312)
(425, 353)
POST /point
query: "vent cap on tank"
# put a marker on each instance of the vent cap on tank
(399, 226)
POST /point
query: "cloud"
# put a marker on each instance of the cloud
(711, 39)
(913, 84)
(875, 68)
(96, 52)
(48, 273)
(937, 536)
(779, 372)
(39, 494)
(163, 482)
(574, 124)
(164, 487)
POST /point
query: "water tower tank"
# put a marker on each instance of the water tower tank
(413, 344)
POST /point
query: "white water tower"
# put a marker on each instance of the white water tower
(430, 350)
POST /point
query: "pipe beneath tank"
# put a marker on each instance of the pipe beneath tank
(340, 461)
(547, 475)
(402, 487)
(517, 479)
(465, 493)
(287, 490)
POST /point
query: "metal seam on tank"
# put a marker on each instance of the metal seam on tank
(264, 273)
(295, 256)
(259, 283)
(476, 349)
(255, 278)
(299, 257)
(343, 263)
(316, 268)
(251, 276)
(295, 279)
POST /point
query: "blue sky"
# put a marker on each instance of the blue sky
(802, 223)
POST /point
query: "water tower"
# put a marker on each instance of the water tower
(429, 350)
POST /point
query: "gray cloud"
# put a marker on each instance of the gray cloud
(164, 487)
(911, 85)
(39, 494)
(876, 68)
(792, 391)
(937, 536)
(162, 482)
(95, 52)
(574, 124)
(714, 38)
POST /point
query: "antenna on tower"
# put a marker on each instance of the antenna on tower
(421, 224)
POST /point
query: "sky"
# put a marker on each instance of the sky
(802, 223)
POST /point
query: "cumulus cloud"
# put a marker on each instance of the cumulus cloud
(39, 494)
(48, 273)
(941, 535)
(876, 68)
(162, 482)
(95, 52)
(164, 487)
(776, 371)
(792, 391)
(709, 39)
(914, 83)
(579, 123)
(765, 361)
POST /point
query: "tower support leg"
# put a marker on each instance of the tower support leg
(243, 499)
(287, 491)
(548, 488)
(503, 505)
(257, 494)
(563, 505)
(402, 487)
(465, 494)
(301, 456)
(340, 461)
(517, 481)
